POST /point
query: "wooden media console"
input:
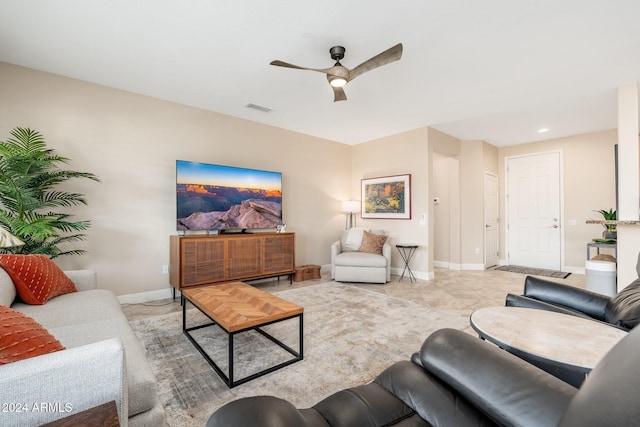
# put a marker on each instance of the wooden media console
(200, 260)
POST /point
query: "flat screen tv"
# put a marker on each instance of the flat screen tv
(227, 198)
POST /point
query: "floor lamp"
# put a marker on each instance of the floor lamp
(350, 207)
(8, 240)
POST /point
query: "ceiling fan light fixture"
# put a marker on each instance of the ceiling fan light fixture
(337, 81)
(339, 75)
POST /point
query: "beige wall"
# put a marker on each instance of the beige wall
(471, 205)
(589, 184)
(445, 185)
(441, 144)
(459, 168)
(490, 158)
(404, 153)
(628, 185)
(132, 142)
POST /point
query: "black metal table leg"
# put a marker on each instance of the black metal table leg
(229, 379)
(407, 252)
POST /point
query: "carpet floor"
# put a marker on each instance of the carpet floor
(350, 336)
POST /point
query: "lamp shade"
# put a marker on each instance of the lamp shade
(350, 206)
(8, 240)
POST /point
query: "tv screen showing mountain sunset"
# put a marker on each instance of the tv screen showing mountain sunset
(217, 197)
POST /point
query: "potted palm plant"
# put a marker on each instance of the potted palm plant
(610, 230)
(29, 173)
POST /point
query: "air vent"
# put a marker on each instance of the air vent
(259, 108)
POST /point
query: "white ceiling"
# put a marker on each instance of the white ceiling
(496, 70)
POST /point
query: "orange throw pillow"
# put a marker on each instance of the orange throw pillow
(372, 243)
(36, 277)
(21, 337)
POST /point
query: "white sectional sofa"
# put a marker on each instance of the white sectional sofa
(102, 361)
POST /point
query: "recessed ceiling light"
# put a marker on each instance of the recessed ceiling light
(543, 130)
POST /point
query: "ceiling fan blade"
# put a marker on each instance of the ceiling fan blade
(338, 94)
(297, 67)
(390, 55)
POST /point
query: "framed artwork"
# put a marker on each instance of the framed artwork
(387, 197)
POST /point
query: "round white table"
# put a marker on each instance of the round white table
(564, 345)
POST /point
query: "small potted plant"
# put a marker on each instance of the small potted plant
(610, 231)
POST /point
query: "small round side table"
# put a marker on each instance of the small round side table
(407, 252)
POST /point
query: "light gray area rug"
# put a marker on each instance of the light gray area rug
(350, 336)
(534, 271)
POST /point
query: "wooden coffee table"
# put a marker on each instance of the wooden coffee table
(566, 346)
(237, 307)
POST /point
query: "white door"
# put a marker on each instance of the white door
(490, 219)
(533, 211)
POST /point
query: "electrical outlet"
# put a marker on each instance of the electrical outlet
(477, 251)
(165, 269)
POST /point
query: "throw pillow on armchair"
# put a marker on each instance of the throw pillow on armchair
(353, 239)
(372, 243)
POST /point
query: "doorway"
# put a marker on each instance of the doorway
(533, 210)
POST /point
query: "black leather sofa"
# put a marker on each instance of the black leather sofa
(459, 380)
(621, 310)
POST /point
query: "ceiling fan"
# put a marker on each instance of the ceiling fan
(339, 75)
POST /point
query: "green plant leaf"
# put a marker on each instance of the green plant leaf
(29, 172)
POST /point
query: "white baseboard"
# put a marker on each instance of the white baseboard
(473, 267)
(457, 267)
(573, 270)
(396, 271)
(142, 297)
(447, 265)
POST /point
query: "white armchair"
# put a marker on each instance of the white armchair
(361, 256)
